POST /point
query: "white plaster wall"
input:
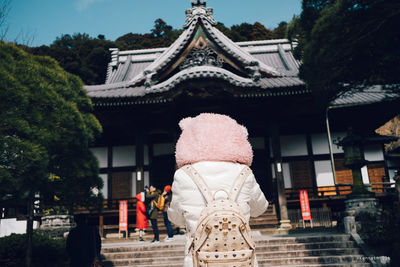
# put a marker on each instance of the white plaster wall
(12, 226)
(146, 177)
(293, 145)
(104, 190)
(335, 138)
(146, 155)
(164, 149)
(257, 142)
(124, 156)
(101, 155)
(391, 175)
(373, 152)
(319, 143)
(323, 170)
(271, 154)
(134, 193)
(364, 175)
(393, 163)
(286, 175)
(273, 170)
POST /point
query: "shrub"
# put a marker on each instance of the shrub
(381, 232)
(46, 252)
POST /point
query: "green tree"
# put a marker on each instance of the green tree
(240, 33)
(349, 42)
(46, 127)
(260, 32)
(81, 55)
(280, 31)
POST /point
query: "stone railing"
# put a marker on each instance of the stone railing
(56, 225)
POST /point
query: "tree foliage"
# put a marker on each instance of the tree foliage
(347, 42)
(46, 127)
(162, 35)
(80, 54)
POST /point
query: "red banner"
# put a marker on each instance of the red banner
(123, 215)
(305, 205)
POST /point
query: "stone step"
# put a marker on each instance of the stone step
(307, 253)
(143, 248)
(308, 250)
(143, 254)
(155, 261)
(264, 226)
(150, 265)
(353, 264)
(296, 261)
(306, 246)
(304, 239)
(262, 219)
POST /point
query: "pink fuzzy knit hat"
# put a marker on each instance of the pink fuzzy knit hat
(212, 137)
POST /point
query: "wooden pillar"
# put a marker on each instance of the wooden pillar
(109, 173)
(139, 161)
(311, 161)
(101, 226)
(270, 192)
(276, 149)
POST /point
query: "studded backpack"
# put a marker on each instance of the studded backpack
(223, 236)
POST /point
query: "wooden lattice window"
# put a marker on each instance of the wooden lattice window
(376, 172)
(300, 174)
(121, 185)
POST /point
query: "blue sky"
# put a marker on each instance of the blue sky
(44, 20)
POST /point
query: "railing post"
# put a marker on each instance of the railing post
(101, 225)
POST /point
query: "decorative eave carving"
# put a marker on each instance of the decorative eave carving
(201, 16)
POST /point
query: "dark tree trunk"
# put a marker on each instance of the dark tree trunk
(29, 232)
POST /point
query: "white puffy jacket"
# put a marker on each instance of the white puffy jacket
(187, 201)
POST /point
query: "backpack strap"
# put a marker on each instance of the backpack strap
(238, 184)
(199, 181)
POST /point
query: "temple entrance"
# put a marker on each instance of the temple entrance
(261, 171)
(162, 171)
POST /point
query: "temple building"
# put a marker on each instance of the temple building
(147, 92)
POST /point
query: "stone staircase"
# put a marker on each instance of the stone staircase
(267, 223)
(318, 249)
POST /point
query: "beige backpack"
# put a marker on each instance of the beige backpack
(223, 236)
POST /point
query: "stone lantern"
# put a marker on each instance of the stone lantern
(353, 147)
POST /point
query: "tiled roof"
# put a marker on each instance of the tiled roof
(369, 95)
(270, 64)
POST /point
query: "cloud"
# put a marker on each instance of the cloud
(83, 4)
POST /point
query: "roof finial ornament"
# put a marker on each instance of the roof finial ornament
(199, 11)
(198, 3)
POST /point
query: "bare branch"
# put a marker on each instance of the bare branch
(25, 37)
(5, 7)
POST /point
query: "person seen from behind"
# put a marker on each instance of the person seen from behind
(167, 196)
(141, 220)
(152, 195)
(213, 155)
(83, 243)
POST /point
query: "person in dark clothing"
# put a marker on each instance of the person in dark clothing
(83, 243)
(152, 195)
(168, 196)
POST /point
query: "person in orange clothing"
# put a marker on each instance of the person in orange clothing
(141, 220)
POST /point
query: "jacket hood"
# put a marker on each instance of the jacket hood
(212, 137)
(139, 197)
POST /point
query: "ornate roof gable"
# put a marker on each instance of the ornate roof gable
(202, 51)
